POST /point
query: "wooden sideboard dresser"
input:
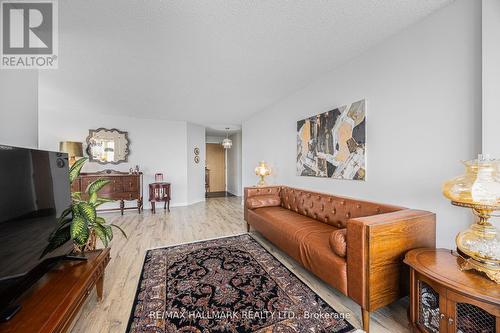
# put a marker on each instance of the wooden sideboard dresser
(123, 187)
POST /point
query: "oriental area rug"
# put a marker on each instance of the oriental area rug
(229, 284)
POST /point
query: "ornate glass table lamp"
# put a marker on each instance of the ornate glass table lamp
(262, 170)
(478, 189)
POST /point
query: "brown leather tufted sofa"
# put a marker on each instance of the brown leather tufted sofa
(353, 245)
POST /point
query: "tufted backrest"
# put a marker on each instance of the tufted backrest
(330, 209)
(270, 190)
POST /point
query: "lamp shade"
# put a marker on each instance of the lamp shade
(73, 149)
(480, 185)
(262, 169)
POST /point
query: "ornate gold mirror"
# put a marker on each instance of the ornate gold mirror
(107, 146)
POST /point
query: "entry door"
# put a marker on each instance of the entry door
(216, 164)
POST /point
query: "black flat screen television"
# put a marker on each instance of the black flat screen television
(34, 190)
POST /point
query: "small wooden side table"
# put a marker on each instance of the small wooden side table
(445, 299)
(159, 192)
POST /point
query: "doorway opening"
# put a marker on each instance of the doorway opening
(215, 171)
(223, 165)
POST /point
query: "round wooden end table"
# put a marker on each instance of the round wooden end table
(445, 299)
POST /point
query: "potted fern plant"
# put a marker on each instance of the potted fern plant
(80, 222)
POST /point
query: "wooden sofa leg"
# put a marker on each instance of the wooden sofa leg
(366, 320)
(248, 227)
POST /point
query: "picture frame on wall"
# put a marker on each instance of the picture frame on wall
(332, 144)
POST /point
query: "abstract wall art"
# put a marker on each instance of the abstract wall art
(333, 144)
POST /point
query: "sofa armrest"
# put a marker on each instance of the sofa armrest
(250, 192)
(376, 246)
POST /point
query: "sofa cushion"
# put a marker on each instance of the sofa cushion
(338, 242)
(260, 201)
(304, 239)
(288, 228)
(318, 257)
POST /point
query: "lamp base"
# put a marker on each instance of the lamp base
(468, 263)
(261, 182)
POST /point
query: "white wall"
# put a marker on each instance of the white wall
(423, 93)
(234, 166)
(491, 77)
(155, 145)
(214, 139)
(195, 171)
(19, 108)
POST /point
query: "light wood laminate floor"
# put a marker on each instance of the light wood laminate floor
(217, 217)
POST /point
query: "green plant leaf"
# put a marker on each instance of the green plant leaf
(93, 198)
(100, 231)
(101, 201)
(76, 196)
(121, 230)
(96, 186)
(63, 223)
(87, 211)
(109, 232)
(74, 172)
(74, 210)
(58, 238)
(79, 230)
(64, 214)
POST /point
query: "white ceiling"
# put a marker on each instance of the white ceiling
(211, 62)
(221, 130)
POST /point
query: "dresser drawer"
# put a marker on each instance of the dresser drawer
(115, 184)
(131, 184)
(85, 181)
(75, 186)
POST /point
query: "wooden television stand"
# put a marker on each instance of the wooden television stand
(52, 303)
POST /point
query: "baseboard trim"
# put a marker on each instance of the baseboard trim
(196, 201)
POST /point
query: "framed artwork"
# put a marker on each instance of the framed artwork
(333, 144)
